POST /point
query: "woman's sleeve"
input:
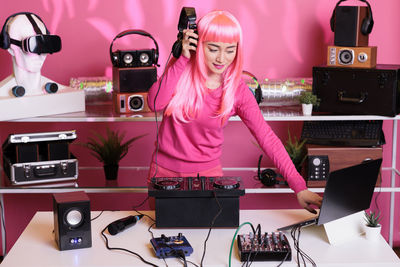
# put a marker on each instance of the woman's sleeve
(248, 110)
(163, 89)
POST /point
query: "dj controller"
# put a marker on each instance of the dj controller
(196, 201)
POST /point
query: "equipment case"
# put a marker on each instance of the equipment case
(357, 91)
(32, 158)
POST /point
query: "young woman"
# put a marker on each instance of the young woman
(198, 94)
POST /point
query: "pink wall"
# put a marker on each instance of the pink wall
(282, 39)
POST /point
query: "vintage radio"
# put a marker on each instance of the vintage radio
(358, 91)
(354, 57)
(44, 157)
(321, 160)
(130, 102)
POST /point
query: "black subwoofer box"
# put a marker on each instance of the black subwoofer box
(357, 91)
(72, 224)
(133, 80)
(348, 26)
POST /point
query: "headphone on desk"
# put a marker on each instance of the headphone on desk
(269, 177)
(367, 23)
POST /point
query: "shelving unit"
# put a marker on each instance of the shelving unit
(103, 113)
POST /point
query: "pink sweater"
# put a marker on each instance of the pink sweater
(197, 145)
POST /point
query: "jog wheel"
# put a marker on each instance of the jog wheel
(226, 184)
(167, 185)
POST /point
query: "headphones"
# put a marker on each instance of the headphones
(154, 52)
(257, 92)
(187, 19)
(5, 40)
(367, 23)
(268, 177)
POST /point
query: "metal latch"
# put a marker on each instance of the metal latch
(27, 170)
(64, 167)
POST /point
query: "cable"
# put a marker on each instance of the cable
(155, 115)
(234, 237)
(97, 216)
(126, 250)
(212, 224)
(300, 253)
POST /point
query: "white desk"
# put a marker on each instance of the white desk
(36, 246)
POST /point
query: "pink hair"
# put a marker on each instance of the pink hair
(216, 26)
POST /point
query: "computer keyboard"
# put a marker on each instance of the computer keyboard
(344, 133)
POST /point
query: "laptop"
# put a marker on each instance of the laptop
(347, 191)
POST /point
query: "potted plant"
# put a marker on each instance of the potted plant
(373, 227)
(110, 150)
(308, 100)
(296, 151)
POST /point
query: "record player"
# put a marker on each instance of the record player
(196, 201)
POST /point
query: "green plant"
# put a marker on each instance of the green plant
(372, 218)
(296, 151)
(307, 97)
(111, 148)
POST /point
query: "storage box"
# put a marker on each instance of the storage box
(356, 91)
(32, 158)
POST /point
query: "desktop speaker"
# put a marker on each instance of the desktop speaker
(133, 80)
(321, 160)
(130, 102)
(351, 25)
(353, 57)
(72, 225)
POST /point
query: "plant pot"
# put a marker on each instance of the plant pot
(372, 233)
(111, 172)
(307, 109)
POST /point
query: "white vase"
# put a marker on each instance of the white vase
(372, 233)
(307, 109)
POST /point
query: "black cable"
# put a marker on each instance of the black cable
(97, 216)
(126, 250)
(212, 224)
(155, 115)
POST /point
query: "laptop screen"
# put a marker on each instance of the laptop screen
(349, 190)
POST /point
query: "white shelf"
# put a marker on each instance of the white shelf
(102, 112)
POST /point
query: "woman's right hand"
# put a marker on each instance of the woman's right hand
(189, 42)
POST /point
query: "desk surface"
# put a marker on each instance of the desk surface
(36, 246)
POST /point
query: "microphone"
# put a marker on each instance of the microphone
(122, 224)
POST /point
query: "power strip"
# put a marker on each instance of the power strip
(272, 246)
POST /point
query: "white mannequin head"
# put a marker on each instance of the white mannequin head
(20, 28)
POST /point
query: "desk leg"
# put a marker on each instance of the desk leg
(393, 181)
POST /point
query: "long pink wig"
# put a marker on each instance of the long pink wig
(187, 101)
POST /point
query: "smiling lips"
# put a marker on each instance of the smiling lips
(218, 66)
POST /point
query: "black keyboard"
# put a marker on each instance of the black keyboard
(344, 133)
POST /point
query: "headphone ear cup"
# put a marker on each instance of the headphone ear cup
(366, 27)
(268, 177)
(177, 49)
(155, 57)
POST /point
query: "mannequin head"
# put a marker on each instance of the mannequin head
(20, 28)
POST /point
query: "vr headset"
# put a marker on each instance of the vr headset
(37, 44)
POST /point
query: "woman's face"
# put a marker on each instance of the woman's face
(218, 56)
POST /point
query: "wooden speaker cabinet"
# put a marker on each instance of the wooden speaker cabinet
(321, 160)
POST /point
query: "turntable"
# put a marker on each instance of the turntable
(195, 201)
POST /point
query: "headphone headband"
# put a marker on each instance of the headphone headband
(139, 32)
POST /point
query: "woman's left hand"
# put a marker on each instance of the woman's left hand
(307, 198)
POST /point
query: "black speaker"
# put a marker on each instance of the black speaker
(133, 80)
(72, 225)
(351, 26)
